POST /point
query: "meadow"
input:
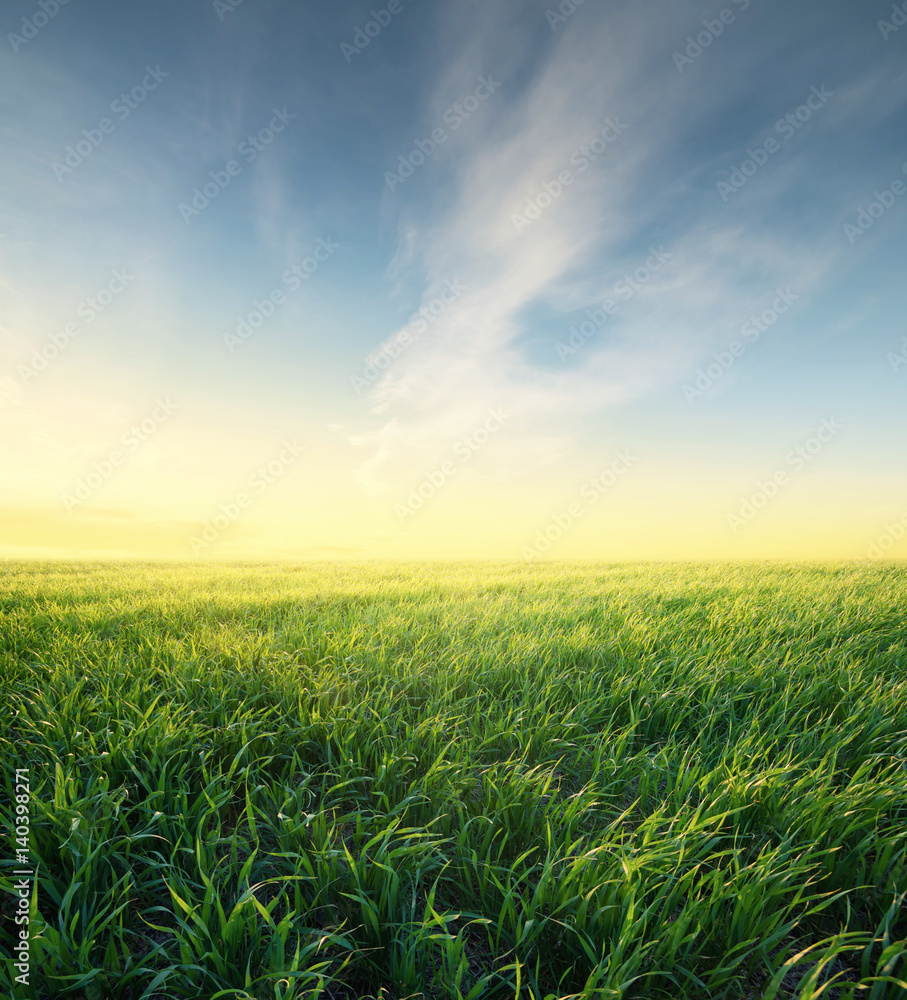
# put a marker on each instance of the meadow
(457, 781)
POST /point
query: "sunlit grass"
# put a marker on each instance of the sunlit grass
(460, 781)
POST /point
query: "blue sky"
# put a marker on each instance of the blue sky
(650, 125)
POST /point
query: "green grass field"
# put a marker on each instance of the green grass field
(458, 781)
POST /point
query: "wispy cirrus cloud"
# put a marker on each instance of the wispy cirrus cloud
(639, 191)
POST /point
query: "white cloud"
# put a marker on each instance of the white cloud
(722, 268)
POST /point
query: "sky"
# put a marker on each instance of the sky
(493, 279)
